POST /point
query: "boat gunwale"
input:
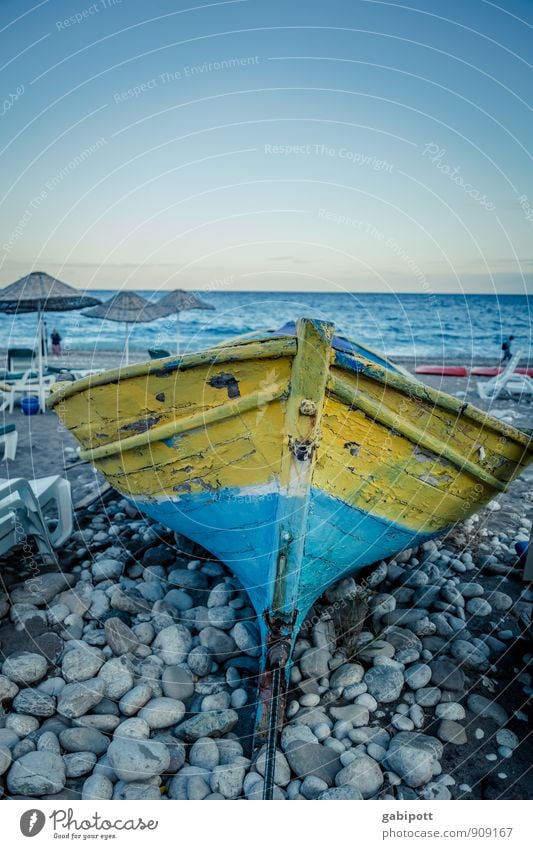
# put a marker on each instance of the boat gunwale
(423, 392)
(271, 349)
(287, 346)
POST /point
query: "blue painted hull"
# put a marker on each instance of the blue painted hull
(241, 528)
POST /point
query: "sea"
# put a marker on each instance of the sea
(407, 326)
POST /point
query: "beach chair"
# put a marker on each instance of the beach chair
(5, 396)
(508, 381)
(20, 518)
(36, 497)
(55, 491)
(9, 439)
(158, 353)
(28, 383)
(20, 359)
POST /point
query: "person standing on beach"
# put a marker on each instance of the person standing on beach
(56, 343)
(506, 348)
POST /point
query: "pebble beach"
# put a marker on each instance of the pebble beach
(130, 671)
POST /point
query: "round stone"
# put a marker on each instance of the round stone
(247, 638)
(177, 683)
(363, 773)
(34, 703)
(25, 667)
(78, 699)
(79, 763)
(162, 712)
(37, 774)
(227, 779)
(384, 682)
(428, 696)
(402, 723)
(116, 677)
(222, 617)
(446, 673)
(81, 664)
(97, 787)
(417, 675)
(135, 728)
(132, 701)
(451, 732)
(119, 636)
(500, 601)
(173, 644)
(471, 656)
(481, 706)
(346, 675)
(450, 710)
(5, 759)
(83, 740)
(314, 663)
(199, 661)
(21, 723)
(204, 753)
(478, 607)
(106, 569)
(8, 690)
(414, 757)
(179, 599)
(507, 738)
(134, 760)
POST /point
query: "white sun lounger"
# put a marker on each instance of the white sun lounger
(28, 384)
(507, 381)
(23, 505)
(21, 518)
(9, 439)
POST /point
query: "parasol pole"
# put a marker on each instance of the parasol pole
(177, 333)
(45, 346)
(40, 375)
(127, 347)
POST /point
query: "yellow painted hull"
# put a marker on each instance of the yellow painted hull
(367, 463)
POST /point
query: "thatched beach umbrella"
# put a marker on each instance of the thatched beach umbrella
(127, 308)
(39, 292)
(179, 301)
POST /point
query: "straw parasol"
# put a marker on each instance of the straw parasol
(179, 301)
(127, 308)
(39, 292)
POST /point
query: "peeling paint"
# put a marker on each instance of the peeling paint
(225, 381)
(142, 425)
(353, 447)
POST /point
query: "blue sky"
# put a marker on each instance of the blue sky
(344, 146)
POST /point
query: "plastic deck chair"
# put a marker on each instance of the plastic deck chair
(513, 384)
(45, 492)
(9, 439)
(20, 518)
(55, 490)
(29, 384)
(20, 359)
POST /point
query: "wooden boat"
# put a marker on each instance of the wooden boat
(296, 459)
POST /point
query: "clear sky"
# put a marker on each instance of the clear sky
(345, 145)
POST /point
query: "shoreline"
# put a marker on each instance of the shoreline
(106, 358)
